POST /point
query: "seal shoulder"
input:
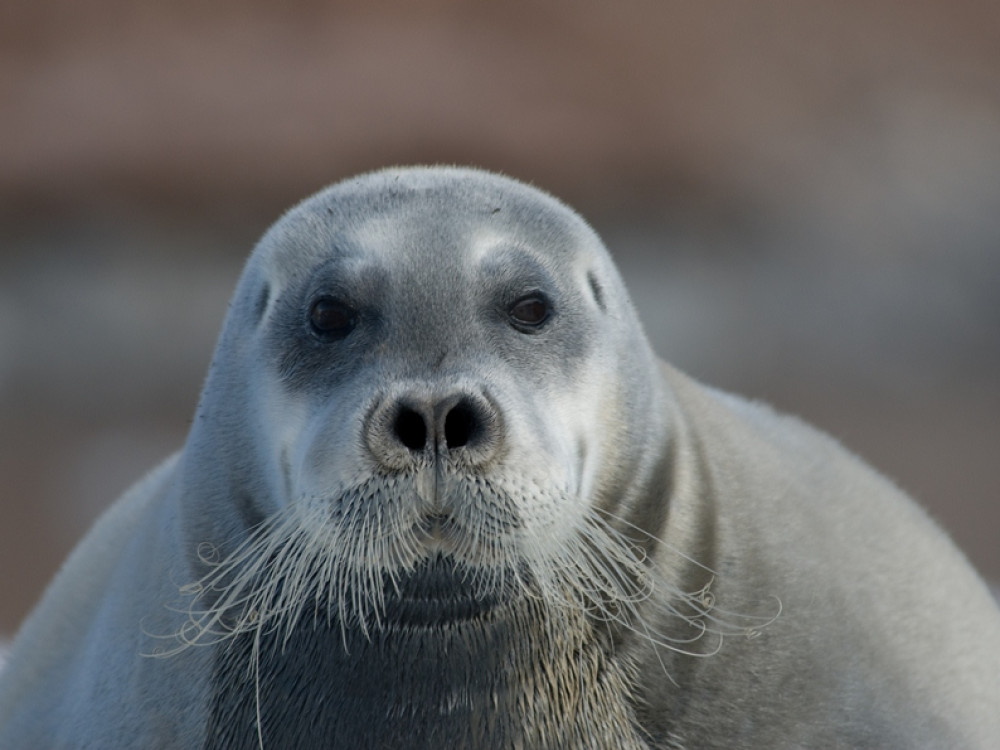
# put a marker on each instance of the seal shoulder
(53, 653)
(867, 583)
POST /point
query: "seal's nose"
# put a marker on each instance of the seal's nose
(465, 425)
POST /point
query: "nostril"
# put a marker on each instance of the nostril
(419, 427)
(410, 429)
(459, 425)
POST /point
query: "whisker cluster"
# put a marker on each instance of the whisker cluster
(339, 559)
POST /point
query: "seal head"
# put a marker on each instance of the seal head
(423, 409)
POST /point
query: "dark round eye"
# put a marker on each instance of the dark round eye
(331, 318)
(530, 312)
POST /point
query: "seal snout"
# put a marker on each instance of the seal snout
(407, 428)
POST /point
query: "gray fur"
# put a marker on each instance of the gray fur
(577, 546)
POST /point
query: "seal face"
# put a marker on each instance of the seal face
(439, 492)
(438, 389)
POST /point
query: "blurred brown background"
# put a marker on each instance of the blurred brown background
(804, 198)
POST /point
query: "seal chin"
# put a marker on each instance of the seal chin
(441, 591)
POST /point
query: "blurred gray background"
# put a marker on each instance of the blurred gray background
(804, 198)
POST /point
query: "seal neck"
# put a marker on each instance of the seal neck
(517, 679)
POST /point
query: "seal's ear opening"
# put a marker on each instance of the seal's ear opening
(596, 290)
(263, 298)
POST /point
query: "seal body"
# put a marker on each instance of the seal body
(440, 493)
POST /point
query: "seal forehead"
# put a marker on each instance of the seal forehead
(432, 209)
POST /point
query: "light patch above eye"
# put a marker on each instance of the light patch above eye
(486, 244)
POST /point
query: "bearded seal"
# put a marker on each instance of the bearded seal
(439, 492)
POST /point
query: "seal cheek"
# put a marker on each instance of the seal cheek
(277, 426)
(580, 426)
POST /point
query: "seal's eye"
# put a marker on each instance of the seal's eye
(530, 312)
(332, 319)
